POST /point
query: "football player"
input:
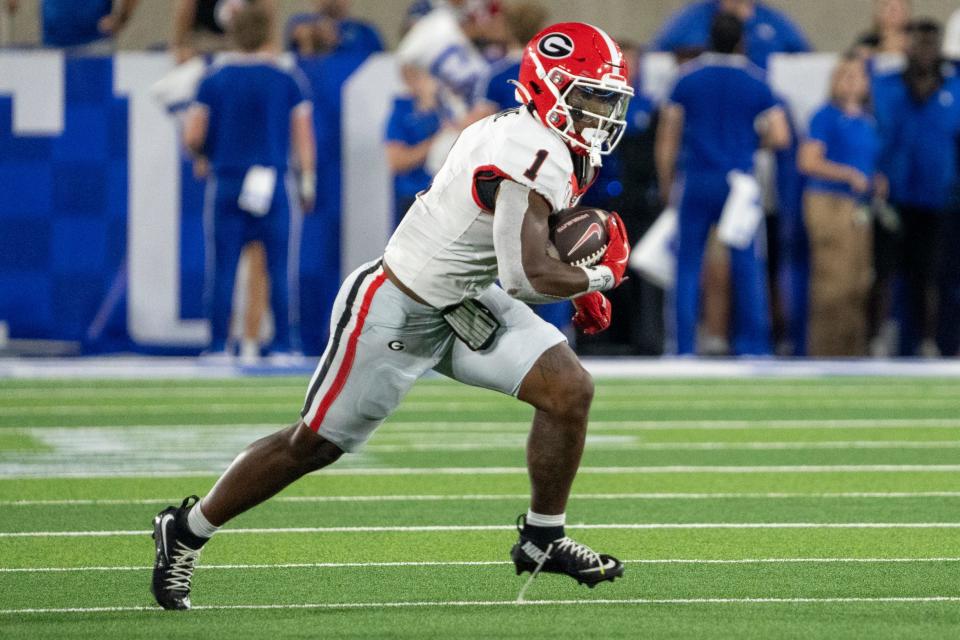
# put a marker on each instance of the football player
(432, 302)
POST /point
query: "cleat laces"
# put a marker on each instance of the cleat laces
(580, 551)
(184, 560)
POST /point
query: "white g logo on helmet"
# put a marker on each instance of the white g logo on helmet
(555, 45)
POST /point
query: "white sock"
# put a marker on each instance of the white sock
(539, 520)
(198, 523)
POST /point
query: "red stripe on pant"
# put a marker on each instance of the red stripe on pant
(347, 364)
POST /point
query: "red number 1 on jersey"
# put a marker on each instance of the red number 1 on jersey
(531, 173)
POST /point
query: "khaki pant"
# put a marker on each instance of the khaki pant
(841, 273)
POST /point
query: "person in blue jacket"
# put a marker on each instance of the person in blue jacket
(767, 31)
(720, 111)
(250, 112)
(840, 159)
(414, 121)
(918, 116)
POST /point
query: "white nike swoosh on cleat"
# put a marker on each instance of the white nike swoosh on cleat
(611, 563)
(163, 532)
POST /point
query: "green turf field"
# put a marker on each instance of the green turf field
(762, 508)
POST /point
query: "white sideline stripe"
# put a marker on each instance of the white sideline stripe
(504, 496)
(52, 471)
(483, 406)
(397, 426)
(423, 393)
(498, 603)
(499, 527)
(483, 563)
(680, 446)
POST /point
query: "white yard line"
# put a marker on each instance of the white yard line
(499, 527)
(500, 603)
(395, 426)
(463, 393)
(483, 497)
(484, 405)
(499, 444)
(57, 471)
(483, 563)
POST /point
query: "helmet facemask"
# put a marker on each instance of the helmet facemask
(589, 114)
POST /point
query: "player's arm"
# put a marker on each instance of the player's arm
(812, 161)
(195, 129)
(184, 14)
(304, 144)
(527, 272)
(774, 129)
(667, 147)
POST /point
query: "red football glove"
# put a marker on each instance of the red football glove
(593, 313)
(618, 248)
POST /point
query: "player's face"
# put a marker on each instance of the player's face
(925, 49)
(743, 9)
(891, 14)
(587, 102)
(850, 82)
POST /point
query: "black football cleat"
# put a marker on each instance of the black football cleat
(565, 556)
(175, 561)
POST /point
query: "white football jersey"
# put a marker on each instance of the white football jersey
(443, 249)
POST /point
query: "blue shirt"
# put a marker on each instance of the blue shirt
(409, 126)
(249, 100)
(721, 96)
(918, 141)
(495, 88)
(355, 36)
(767, 32)
(70, 23)
(848, 140)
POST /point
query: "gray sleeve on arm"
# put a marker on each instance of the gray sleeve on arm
(511, 206)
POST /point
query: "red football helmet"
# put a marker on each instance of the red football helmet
(575, 76)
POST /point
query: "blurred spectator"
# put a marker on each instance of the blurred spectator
(441, 42)
(918, 114)
(330, 29)
(69, 23)
(414, 121)
(840, 158)
(494, 92)
(767, 31)
(711, 122)
(888, 34)
(200, 26)
(951, 39)
(247, 113)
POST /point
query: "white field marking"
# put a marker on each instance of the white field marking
(57, 471)
(483, 563)
(679, 446)
(420, 393)
(485, 497)
(498, 603)
(396, 426)
(500, 527)
(482, 406)
(516, 426)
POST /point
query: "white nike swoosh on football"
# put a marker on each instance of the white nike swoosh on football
(611, 563)
(593, 229)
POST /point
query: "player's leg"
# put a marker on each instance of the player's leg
(361, 378)
(226, 236)
(692, 232)
(751, 306)
(276, 240)
(531, 360)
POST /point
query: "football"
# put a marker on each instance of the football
(579, 235)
